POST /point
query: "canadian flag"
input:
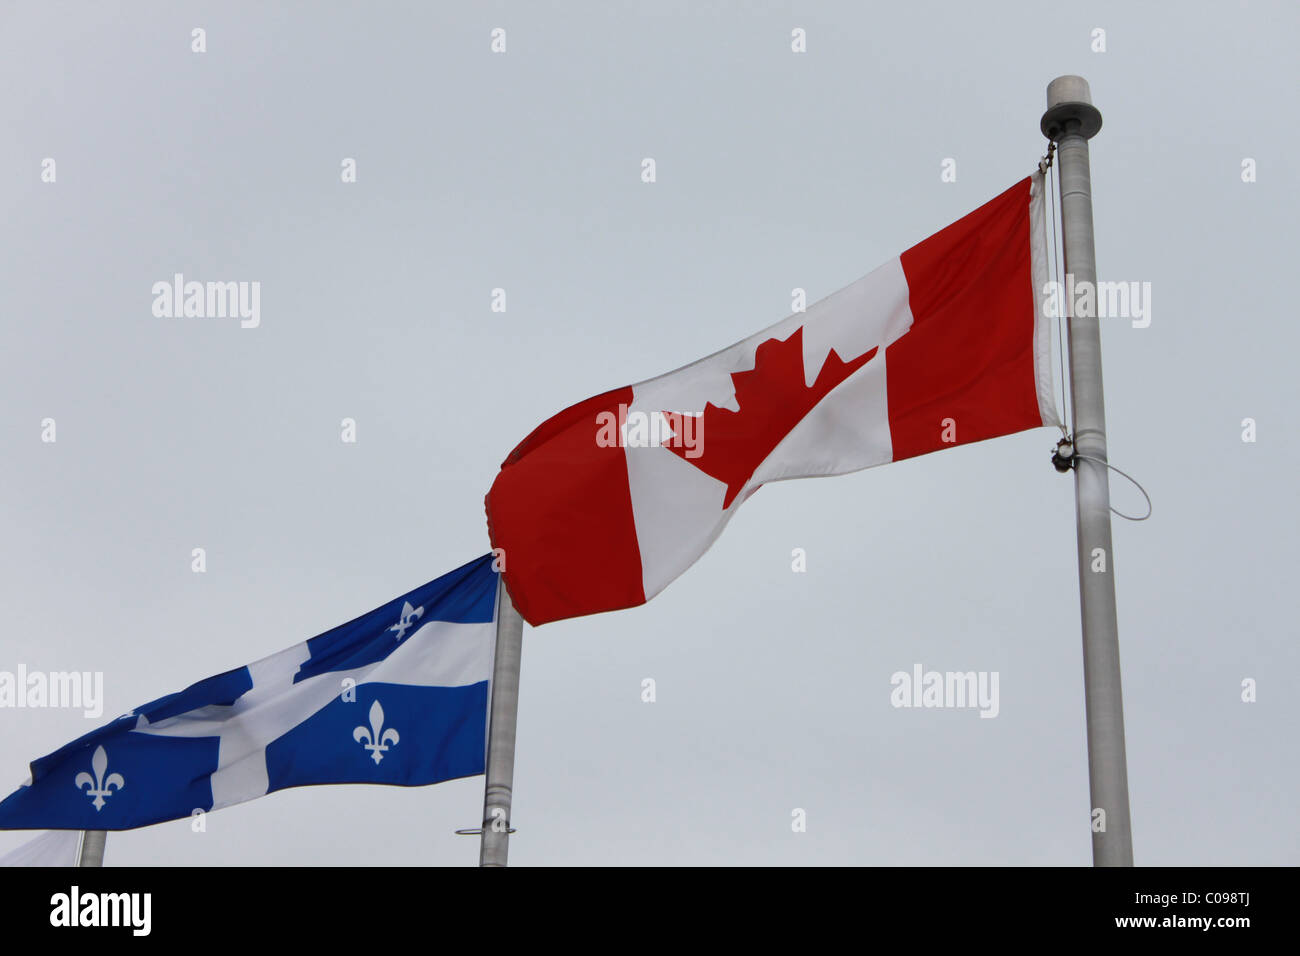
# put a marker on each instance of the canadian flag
(607, 502)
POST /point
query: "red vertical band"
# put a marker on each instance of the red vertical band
(561, 509)
(969, 355)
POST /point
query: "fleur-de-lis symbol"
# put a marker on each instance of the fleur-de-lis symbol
(409, 614)
(99, 786)
(376, 738)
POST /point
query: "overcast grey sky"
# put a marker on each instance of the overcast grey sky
(522, 171)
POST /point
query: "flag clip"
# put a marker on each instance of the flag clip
(1063, 456)
(1045, 163)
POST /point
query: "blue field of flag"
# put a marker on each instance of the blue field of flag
(396, 696)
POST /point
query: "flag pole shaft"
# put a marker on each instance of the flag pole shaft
(1071, 120)
(91, 850)
(495, 844)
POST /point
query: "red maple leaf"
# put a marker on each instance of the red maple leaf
(773, 399)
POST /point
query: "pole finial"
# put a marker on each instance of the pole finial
(1070, 109)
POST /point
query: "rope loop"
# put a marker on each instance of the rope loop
(1131, 479)
(1064, 457)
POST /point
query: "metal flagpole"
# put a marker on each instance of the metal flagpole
(501, 733)
(1071, 120)
(90, 852)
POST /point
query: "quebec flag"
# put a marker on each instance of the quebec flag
(397, 696)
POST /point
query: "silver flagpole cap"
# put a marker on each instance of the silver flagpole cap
(1069, 102)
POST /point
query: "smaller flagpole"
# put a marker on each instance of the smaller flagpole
(91, 850)
(504, 706)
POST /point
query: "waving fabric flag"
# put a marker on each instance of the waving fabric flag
(607, 502)
(55, 848)
(397, 696)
